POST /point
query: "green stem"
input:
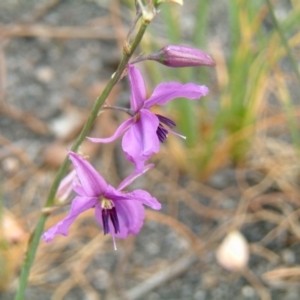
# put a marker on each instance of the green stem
(35, 237)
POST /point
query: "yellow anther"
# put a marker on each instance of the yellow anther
(107, 203)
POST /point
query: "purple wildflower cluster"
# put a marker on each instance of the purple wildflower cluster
(122, 213)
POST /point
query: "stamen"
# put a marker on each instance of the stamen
(109, 212)
(105, 216)
(170, 123)
(114, 242)
(106, 203)
(114, 219)
(162, 133)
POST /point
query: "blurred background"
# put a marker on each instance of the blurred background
(229, 227)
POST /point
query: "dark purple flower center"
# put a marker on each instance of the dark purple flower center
(109, 212)
(161, 131)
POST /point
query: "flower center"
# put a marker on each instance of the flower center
(109, 212)
(136, 117)
(161, 131)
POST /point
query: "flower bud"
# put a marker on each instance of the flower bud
(66, 186)
(177, 56)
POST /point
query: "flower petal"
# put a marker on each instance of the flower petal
(79, 205)
(120, 130)
(141, 140)
(66, 186)
(79, 190)
(138, 89)
(133, 176)
(140, 196)
(131, 216)
(91, 181)
(165, 92)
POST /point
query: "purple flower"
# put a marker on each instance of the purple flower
(119, 213)
(144, 130)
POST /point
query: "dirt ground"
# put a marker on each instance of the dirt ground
(55, 58)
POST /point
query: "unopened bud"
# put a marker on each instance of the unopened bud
(177, 56)
(66, 186)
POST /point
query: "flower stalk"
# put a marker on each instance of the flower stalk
(36, 234)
